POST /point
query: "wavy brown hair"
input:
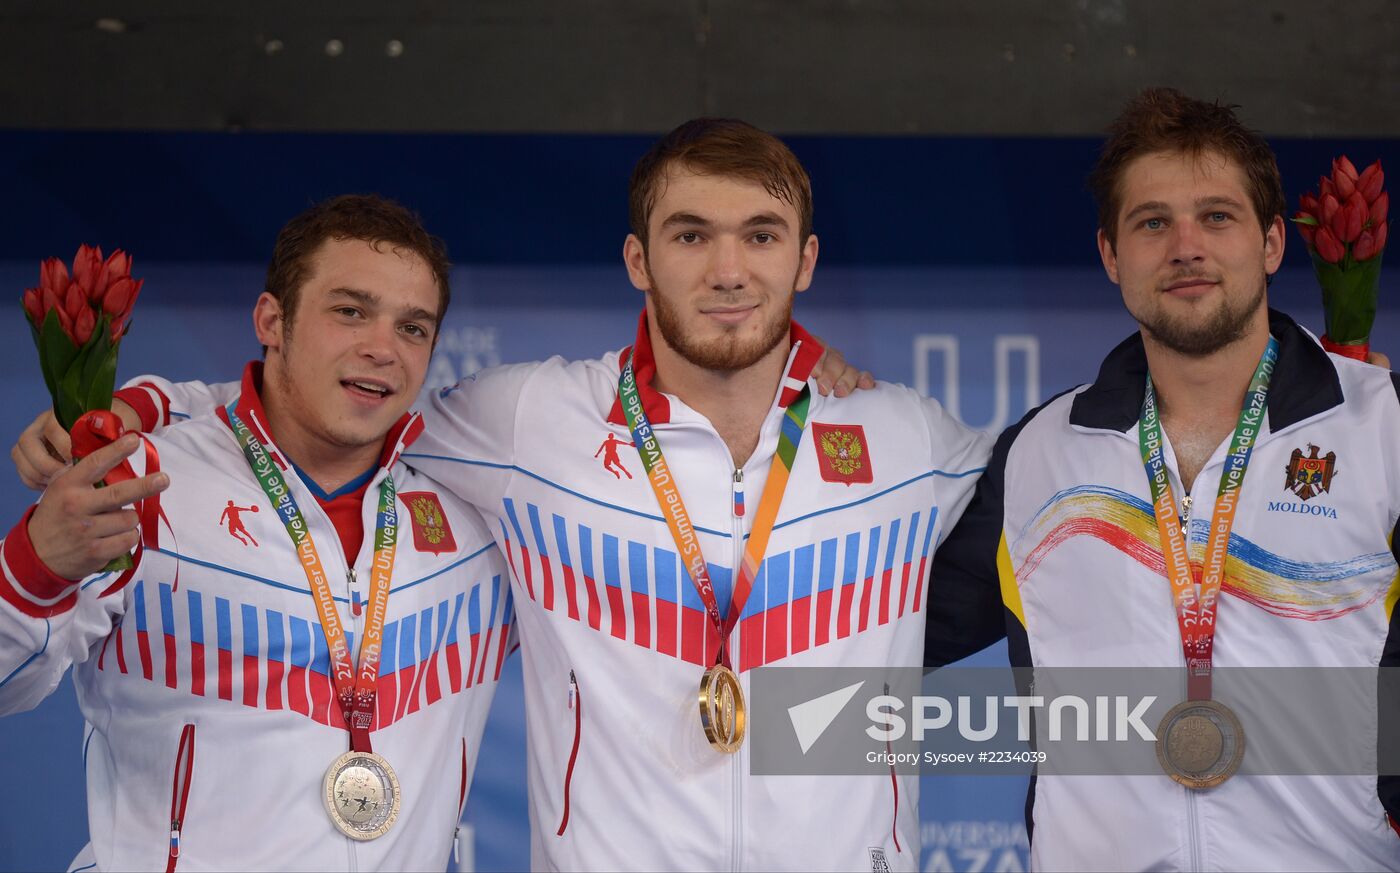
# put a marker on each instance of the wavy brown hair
(369, 217)
(1166, 120)
(721, 147)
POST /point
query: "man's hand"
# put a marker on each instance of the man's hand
(76, 528)
(44, 448)
(833, 374)
(1379, 359)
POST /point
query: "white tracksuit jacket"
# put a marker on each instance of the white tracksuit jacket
(1060, 552)
(614, 638)
(211, 662)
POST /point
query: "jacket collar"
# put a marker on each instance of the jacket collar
(658, 407)
(249, 408)
(1305, 382)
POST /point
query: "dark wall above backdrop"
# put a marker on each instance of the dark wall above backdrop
(952, 67)
(562, 199)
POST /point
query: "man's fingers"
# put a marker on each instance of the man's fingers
(33, 454)
(835, 376)
(846, 382)
(1380, 359)
(111, 523)
(31, 478)
(116, 496)
(106, 548)
(34, 459)
(828, 370)
(56, 439)
(852, 380)
(94, 467)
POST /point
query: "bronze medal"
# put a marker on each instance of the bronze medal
(722, 709)
(1200, 743)
(362, 795)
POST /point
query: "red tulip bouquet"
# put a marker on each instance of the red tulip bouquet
(1344, 225)
(78, 322)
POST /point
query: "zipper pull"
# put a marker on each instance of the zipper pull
(354, 591)
(1186, 516)
(573, 689)
(456, 844)
(175, 838)
(738, 492)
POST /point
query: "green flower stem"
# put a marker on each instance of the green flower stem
(1349, 292)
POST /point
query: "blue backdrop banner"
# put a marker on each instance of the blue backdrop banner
(965, 268)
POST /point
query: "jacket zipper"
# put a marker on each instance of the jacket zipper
(180, 793)
(894, 785)
(461, 806)
(576, 704)
(734, 654)
(1193, 828)
(357, 619)
(1192, 822)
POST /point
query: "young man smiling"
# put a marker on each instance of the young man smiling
(723, 554)
(1146, 520)
(363, 609)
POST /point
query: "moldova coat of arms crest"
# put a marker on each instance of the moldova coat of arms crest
(1310, 476)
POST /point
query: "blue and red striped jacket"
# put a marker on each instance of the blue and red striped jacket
(212, 659)
(615, 637)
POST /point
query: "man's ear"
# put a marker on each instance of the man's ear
(1274, 239)
(808, 264)
(634, 255)
(268, 322)
(1108, 256)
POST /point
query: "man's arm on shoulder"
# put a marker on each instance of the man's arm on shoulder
(158, 402)
(972, 596)
(469, 436)
(963, 610)
(146, 403)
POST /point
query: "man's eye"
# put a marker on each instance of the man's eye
(416, 330)
(1220, 217)
(1154, 224)
(763, 238)
(348, 310)
(690, 237)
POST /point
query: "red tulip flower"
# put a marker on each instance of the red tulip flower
(1345, 226)
(78, 319)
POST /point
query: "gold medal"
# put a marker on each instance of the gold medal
(722, 708)
(362, 795)
(1200, 743)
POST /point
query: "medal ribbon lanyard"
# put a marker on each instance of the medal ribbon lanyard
(355, 690)
(1196, 617)
(678, 520)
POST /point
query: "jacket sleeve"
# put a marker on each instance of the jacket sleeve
(958, 456)
(964, 611)
(972, 597)
(161, 402)
(469, 434)
(47, 623)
